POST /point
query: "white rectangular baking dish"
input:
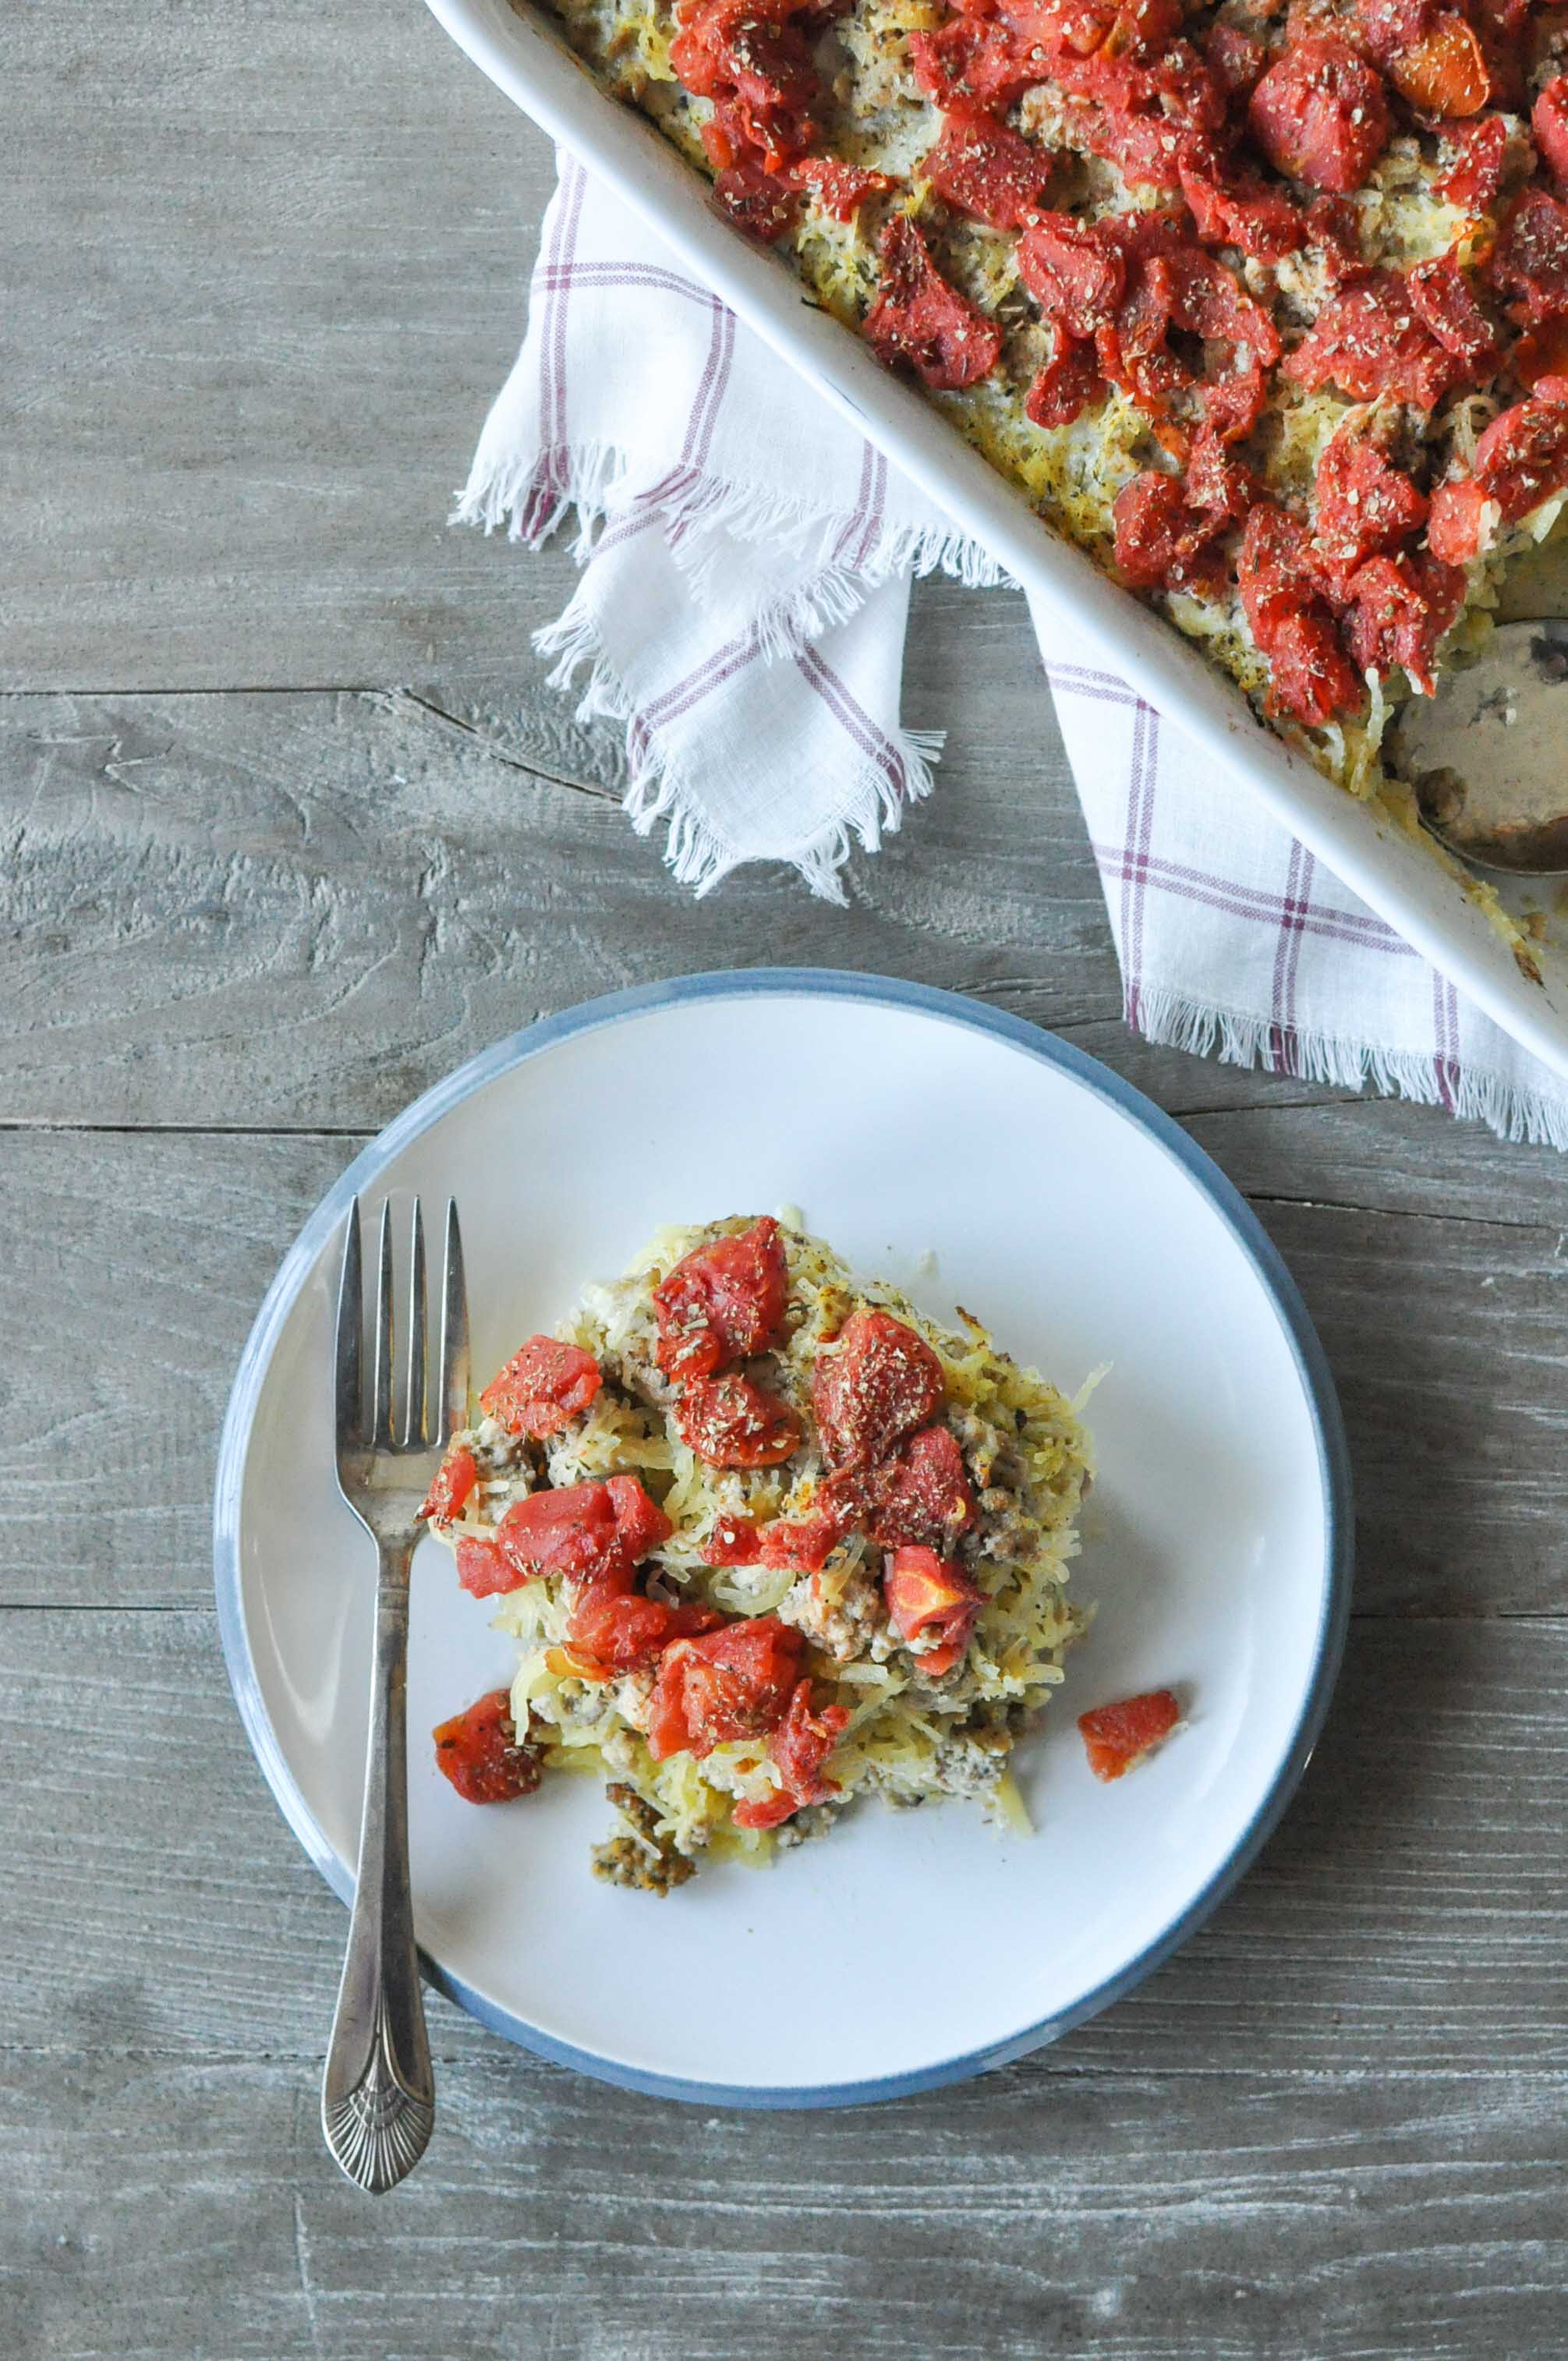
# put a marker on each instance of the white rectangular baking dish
(524, 54)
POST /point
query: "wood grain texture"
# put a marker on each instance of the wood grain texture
(265, 269)
(146, 1264)
(1116, 2218)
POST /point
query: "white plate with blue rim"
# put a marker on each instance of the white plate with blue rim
(970, 1158)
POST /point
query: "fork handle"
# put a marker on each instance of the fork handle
(377, 2093)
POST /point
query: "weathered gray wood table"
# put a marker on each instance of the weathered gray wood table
(289, 829)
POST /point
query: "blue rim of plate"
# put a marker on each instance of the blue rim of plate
(950, 1008)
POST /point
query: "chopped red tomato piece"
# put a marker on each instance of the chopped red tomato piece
(1474, 179)
(1122, 82)
(590, 1531)
(618, 1629)
(1540, 353)
(1529, 261)
(1507, 56)
(1069, 381)
(1463, 522)
(737, 1683)
(1522, 458)
(1445, 300)
(994, 60)
(1079, 31)
(927, 1595)
(543, 1386)
(873, 1386)
(1117, 1736)
(455, 1479)
(917, 317)
(730, 1422)
(1370, 341)
(1160, 543)
(1334, 224)
(985, 168)
(755, 202)
(1365, 505)
(1400, 607)
(722, 1303)
(1143, 28)
(483, 1570)
(1075, 271)
(1167, 530)
(799, 1747)
(1000, 50)
(1171, 93)
(1219, 486)
(1236, 58)
(1174, 287)
(838, 188)
(755, 63)
(1446, 73)
(1259, 221)
(1186, 91)
(925, 1494)
(479, 1751)
(572, 1531)
(639, 1523)
(1549, 125)
(1155, 110)
(1320, 115)
(1310, 674)
(1387, 28)
(1146, 149)
(734, 1540)
(804, 1544)
(934, 1662)
(1274, 569)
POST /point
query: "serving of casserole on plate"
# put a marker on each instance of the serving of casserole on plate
(769, 1539)
(1131, 290)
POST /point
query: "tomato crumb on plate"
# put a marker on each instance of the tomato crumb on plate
(479, 1753)
(1117, 1736)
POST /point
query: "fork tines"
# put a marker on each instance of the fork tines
(448, 1398)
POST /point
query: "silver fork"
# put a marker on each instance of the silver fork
(378, 2094)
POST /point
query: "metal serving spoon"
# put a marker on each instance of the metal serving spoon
(1486, 755)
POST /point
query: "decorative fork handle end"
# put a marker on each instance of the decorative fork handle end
(378, 2093)
(379, 2127)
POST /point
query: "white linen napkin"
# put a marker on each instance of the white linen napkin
(746, 564)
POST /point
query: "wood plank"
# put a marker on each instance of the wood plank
(150, 1253)
(265, 270)
(1384, 1152)
(1116, 2218)
(362, 893)
(147, 1261)
(1446, 1342)
(1406, 1920)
